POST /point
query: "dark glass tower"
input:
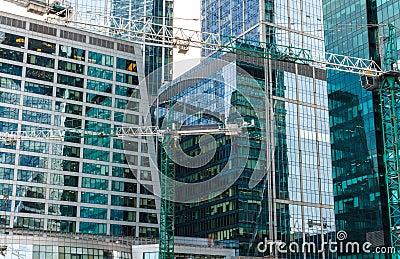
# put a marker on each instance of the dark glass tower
(357, 149)
(294, 202)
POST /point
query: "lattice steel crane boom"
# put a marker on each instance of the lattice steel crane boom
(386, 81)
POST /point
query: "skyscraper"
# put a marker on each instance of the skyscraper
(361, 203)
(156, 12)
(54, 77)
(294, 202)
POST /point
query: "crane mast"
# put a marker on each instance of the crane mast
(389, 93)
(386, 82)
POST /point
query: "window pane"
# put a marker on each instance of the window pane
(42, 46)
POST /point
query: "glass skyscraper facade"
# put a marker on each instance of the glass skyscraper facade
(158, 12)
(361, 205)
(58, 78)
(294, 202)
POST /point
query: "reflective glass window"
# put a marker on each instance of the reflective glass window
(11, 54)
(147, 203)
(70, 80)
(148, 217)
(118, 144)
(127, 79)
(62, 210)
(38, 117)
(73, 109)
(69, 94)
(145, 175)
(72, 166)
(38, 89)
(72, 123)
(73, 53)
(118, 200)
(101, 59)
(94, 198)
(8, 126)
(6, 189)
(92, 228)
(119, 158)
(97, 126)
(148, 232)
(7, 158)
(39, 74)
(98, 113)
(100, 73)
(9, 113)
(71, 151)
(65, 180)
(71, 67)
(12, 39)
(63, 195)
(61, 225)
(121, 103)
(124, 172)
(10, 69)
(32, 176)
(39, 103)
(122, 230)
(9, 98)
(127, 91)
(128, 65)
(42, 46)
(34, 146)
(124, 187)
(119, 116)
(9, 83)
(94, 183)
(29, 223)
(122, 215)
(99, 142)
(40, 61)
(97, 169)
(93, 213)
(98, 99)
(31, 191)
(6, 173)
(33, 161)
(132, 119)
(99, 86)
